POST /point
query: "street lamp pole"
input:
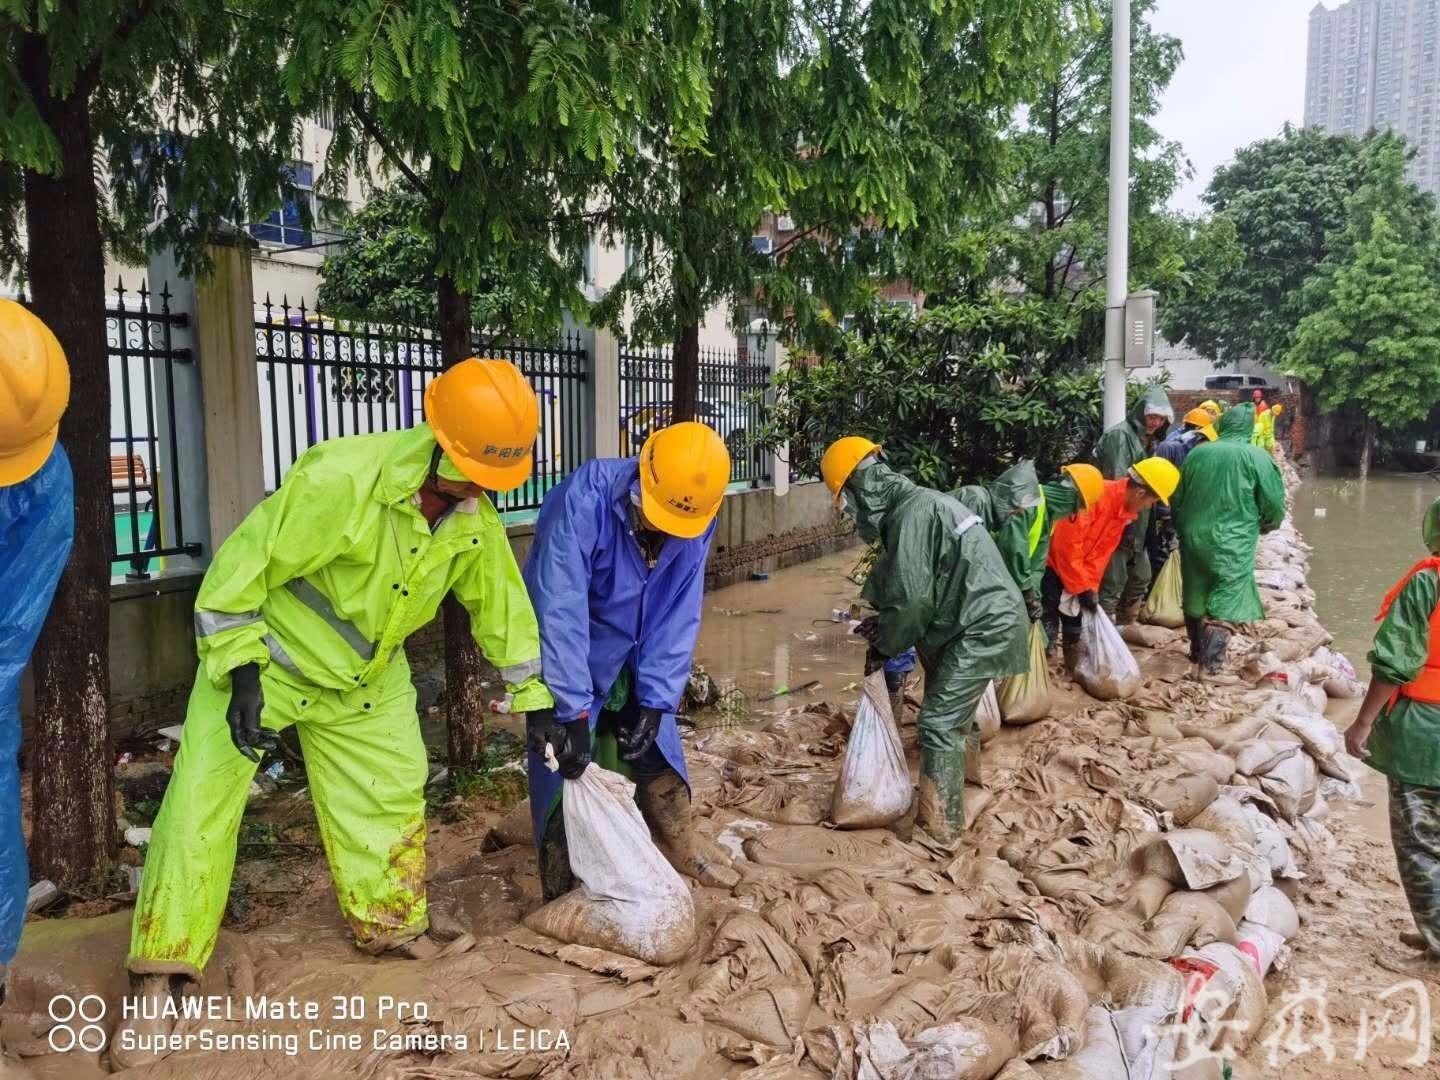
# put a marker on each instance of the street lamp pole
(1117, 261)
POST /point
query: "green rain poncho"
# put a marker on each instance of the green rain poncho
(1229, 493)
(939, 582)
(1020, 514)
(1405, 744)
(1127, 579)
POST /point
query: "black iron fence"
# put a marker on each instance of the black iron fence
(730, 399)
(321, 378)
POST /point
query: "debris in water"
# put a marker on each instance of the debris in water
(784, 690)
(759, 575)
(136, 836)
(1320, 511)
(42, 894)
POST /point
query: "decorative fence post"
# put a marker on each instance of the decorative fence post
(605, 394)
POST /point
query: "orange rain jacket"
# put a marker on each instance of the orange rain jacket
(1081, 546)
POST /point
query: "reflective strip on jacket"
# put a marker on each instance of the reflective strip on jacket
(601, 609)
(329, 575)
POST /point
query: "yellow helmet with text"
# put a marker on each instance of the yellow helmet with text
(684, 470)
(485, 417)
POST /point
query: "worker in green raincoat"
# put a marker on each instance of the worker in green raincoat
(301, 620)
(1398, 731)
(940, 585)
(1127, 578)
(1230, 492)
(1020, 514)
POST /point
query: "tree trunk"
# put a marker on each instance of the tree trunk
(464, 667)
(1367, 447)
(687, 372)
(73, 832)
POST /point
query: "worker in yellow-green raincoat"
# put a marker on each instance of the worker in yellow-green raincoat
(302, 619)
(1398, 731)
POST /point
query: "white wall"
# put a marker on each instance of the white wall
(1189, 369)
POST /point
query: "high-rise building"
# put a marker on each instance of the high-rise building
(1374, 65)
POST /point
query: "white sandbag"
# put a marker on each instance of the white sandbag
(1106, 668)
(1232, 1002)
(1271, 842)
(1254, 757)
(1273, 910)
(1146, 636)
(987, 715)
(629, 899)
(1318, 735)
(1226, 818)
(1261, 945)
(1025, 698)
(873, 788)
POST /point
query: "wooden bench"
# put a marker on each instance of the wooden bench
(123, 469)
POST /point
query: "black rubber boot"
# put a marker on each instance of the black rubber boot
(1213, 644)
(1195, 629)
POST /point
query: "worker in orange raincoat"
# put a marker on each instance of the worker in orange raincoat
(1082, 545)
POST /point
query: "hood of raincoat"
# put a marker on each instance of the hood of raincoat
(874, 490)
(1431, 528)
(1237, 424)
(1015, 490)
(1155, 401)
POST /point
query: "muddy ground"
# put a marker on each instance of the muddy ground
(826, 933)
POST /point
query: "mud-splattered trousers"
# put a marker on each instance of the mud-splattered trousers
(1415, 835)
(949, 741)
(366, 768)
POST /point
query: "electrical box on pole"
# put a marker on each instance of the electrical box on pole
(1140, 329)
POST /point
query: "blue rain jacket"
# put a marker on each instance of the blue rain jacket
(601, 609)
(37, 523)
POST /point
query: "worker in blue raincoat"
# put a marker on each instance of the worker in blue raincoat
(37, 522)
(616, 576)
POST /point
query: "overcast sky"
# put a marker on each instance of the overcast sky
(1243, 76)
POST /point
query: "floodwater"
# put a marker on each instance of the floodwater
(761, 637)
(1365, 536)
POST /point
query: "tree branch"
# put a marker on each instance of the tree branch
(89, 76)
(372, 129)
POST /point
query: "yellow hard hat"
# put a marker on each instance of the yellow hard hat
(1277, 408)
(1157, 474)
(34, 390)
(1201, 418)
(1088, 482)
(684, 470)
(841, 458)
(485, 417)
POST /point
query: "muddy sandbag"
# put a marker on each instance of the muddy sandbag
(1025, 698)
(1210, 922)
(1099, 1058)
(1192, 858)
(1052, 1012)
(967, 1048)
(1319, 737)
(987, 714)
(1183, 797)
(1293, 784)
(1226, 818)
(629, 899)
(1273, 910)
(1147, 893)
(513, 829)
(1255, 757)
(1165, 604)
(1145, 636)
(873, 788)
(1106, 668)
(1271, 842)
(1232, 1001)
(753, 982)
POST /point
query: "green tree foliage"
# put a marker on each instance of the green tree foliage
(171, 107)
(955, 393)
(1371, 339)
(1284, 197)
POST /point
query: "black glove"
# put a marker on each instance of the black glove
(1089, 600)
(639, 735)
(243, 715)
(1033, 607)
(874, 661)
(868, 628)
(570, 741)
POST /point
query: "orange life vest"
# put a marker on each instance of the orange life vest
(1426, 686)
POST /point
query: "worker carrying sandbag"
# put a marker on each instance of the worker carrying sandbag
(1085, 544)
(301, 620)
(37, 523)
(938, 584)
(1127, 578)
(616, 574)
(1230, 492)
(1020, 514)
(1398, 732)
